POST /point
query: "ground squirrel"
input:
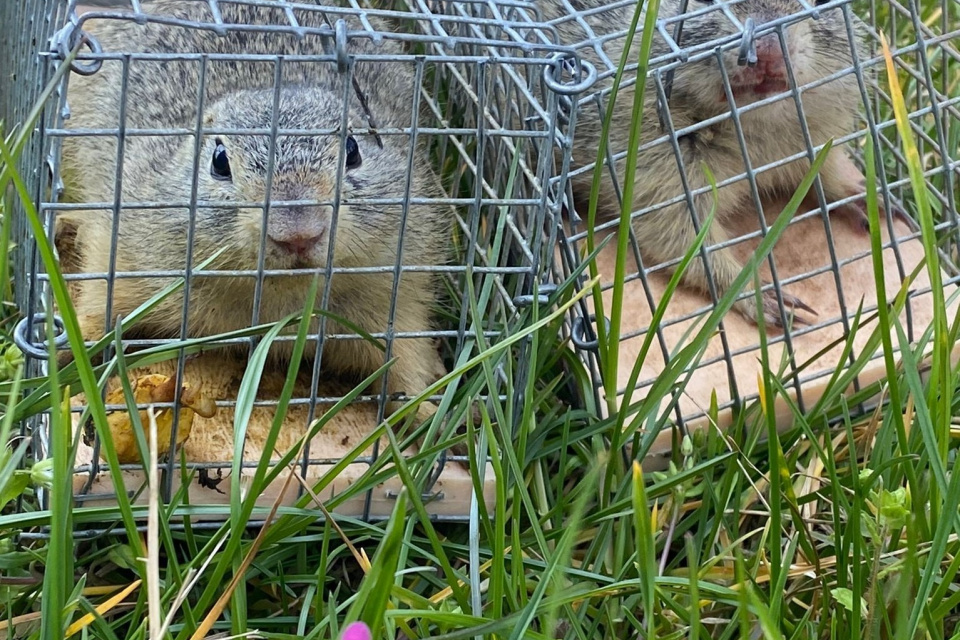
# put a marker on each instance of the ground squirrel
(816, 49)
(233, 168)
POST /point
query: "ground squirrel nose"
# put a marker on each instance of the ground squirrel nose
(770, 60)
(299, 230)
(299, 244)
(767, 76)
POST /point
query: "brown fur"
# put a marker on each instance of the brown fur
(817, 49)
(240, 95)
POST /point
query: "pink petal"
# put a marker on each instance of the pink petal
(356, 631)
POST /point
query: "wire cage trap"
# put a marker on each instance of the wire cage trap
(140, 191)
(753, 90)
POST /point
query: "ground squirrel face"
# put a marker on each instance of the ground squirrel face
(234, 167)
(815, 48)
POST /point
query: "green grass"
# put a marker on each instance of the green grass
(844, 526)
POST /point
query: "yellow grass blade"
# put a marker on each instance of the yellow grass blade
(101, 609)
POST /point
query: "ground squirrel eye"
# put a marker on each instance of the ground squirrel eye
(353, 154)
(220, 167)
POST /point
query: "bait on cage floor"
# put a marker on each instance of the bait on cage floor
(337, 48)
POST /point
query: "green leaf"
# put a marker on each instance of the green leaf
(124, 556)
(370, 605)
(13, 487)
(844, 597)
(893, 507)
(646, 546)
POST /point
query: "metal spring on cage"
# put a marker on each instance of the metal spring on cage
(67, 39)
(29, 335)
(582, 76)
(582, 334)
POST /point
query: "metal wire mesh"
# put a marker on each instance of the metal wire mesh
(702, 51)
(512, 93)
(27, 31)
(498, 166)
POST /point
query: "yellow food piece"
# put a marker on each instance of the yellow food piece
(149, 389)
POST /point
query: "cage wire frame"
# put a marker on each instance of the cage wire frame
(514, 118)
(26, 27)
(503, 29)
(935, 104)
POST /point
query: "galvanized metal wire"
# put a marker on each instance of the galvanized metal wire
(501, 94)
(926, 53)
(480, 150)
